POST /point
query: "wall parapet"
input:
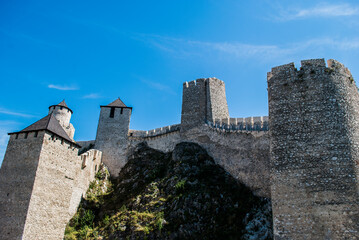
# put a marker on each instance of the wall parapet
(154, 132)
(288, 72)
(241, 124)
(90, 155)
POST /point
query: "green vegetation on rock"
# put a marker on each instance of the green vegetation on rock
(178, 195)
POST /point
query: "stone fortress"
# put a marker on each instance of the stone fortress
(304, 156)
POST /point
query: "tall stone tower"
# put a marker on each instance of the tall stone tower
(314, 127)
(37, 180)
(203, 100)
(112, 135)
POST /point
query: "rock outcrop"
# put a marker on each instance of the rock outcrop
(177, 195)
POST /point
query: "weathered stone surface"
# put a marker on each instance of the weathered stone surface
(17, 175)
(42, 180)
(314, 127)
(203, 100)
(244, 154)
(111, 138)
(179, 195)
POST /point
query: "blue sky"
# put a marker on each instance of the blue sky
(142, 51)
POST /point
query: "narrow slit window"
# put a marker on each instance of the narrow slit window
(112, 113)
(26, 135)
(17, 136)
(35, 134)
(121, 110)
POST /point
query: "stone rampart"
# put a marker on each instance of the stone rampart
(90, 164)
(241, 124)
(314, 139)
(163, 139)
(244, 154)
(154, 132)
(62, 178)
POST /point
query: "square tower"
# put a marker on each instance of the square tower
(112, 135)
(37, 179)
(203, 100)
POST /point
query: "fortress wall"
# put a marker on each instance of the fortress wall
(90, 164)
(246, 124)
(245, 155)
(49, 208)
(17, 175)
(155, 132)
(314, 129)
(163, 142)
(166, 142)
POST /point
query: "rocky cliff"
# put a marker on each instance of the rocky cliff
(178, 195)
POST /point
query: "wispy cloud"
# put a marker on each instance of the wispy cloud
(156, 85)
(29, 38)
(92, 96)
(12, 113)
(322, 10)
(184, 48)
(62, 87)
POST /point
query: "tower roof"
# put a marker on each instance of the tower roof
(49, 123)
(117, 103)
(62, 104)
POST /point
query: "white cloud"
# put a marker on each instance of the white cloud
(342, 44)
(62, 88)
(184, 48)
(323, 10)
(8, 112)
(92, 96)
(157, 85)
(29, 38)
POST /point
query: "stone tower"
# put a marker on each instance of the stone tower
(203, 100)
(112, 135)
(63, 114)
(37, 181)
(314, 127)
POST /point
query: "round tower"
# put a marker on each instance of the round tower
(314, 139)
(62, 113)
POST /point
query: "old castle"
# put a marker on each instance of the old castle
(304, 156)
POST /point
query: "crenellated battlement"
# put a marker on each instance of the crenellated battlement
(154, 132)
(313, 63)
(200, 82)
(241, 124)
(312, 67)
